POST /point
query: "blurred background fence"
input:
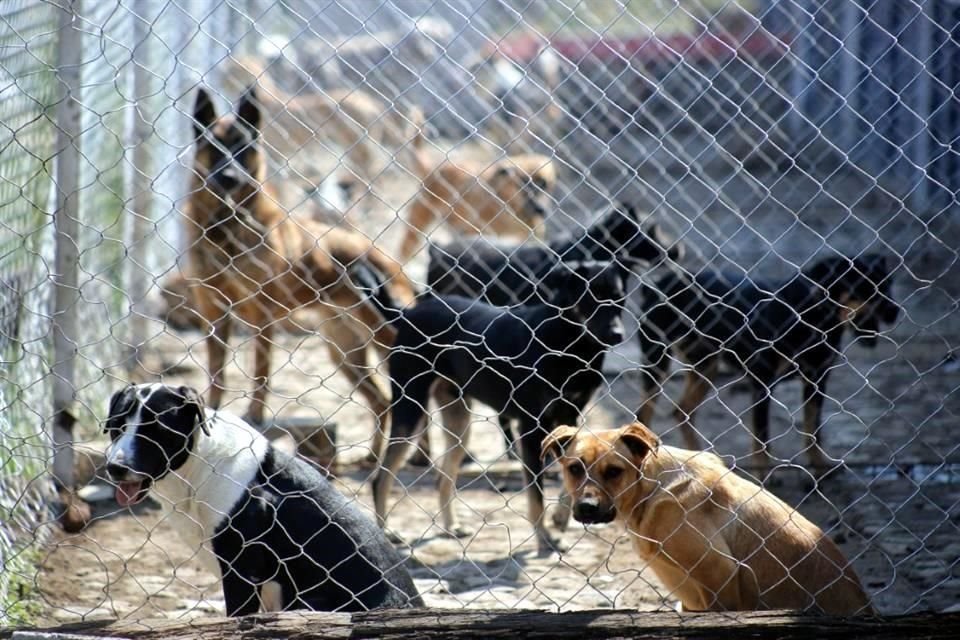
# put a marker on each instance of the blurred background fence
(758, 132)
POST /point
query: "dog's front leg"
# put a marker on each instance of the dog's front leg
(531, 441)
(239, 594)
(812, 410)
(261, 373)
(398, 449)
(653, 372)
(456, 430)
(694, 391)
(761, 458)
(217, 343)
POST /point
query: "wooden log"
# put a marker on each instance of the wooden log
(458, 624)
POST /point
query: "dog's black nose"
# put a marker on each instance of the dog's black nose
(116, 471)
(590, 511)
(225, 182)
(616, 332)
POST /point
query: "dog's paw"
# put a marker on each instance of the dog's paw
(548, 545)
(457, 531)
(561, 517)
(369, 461)
(827, 473)
(254, 419)
(395, 538)
(420, 459)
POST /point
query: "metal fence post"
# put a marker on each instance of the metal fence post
(139, 187)
(66, 218)
(919, 151)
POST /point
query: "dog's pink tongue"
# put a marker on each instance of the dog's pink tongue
(127, 492)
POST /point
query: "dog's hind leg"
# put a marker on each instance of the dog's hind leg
(408, 421)
(696, 386)
(394, 457)
(349, 354)
(420, 217)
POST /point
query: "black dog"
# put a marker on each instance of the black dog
(538, 364)
(270, 525)
(506, 274)
(772, 330)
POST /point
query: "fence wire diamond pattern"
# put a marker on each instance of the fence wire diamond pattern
(342, 305)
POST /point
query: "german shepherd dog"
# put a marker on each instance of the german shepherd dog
(253, 262)
(772, 330)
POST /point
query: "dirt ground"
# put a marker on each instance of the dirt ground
(893, 510)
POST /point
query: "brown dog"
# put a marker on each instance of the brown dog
(252, 261)
(510, 197)
(717, 541)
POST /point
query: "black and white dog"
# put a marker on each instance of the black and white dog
(276, 531)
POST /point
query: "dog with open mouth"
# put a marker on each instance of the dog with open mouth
(273, 528)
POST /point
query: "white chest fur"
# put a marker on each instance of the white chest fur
(201, 493)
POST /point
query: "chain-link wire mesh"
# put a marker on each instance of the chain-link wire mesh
(400, 238)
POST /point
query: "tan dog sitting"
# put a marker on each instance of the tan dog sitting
(718, 542)
(510, 197)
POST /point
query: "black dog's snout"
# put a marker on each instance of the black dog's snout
(589, 511)
(117, 471)
(586, 510)
(224, 181)
(676, 251)
(616, 332)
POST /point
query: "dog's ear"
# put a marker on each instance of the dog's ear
(556, 441)
(193, 404)
(204, 113)
(828, 272)
(248, 111)
(639, 440)
(117, 401)
(560, 286)
(629, 211)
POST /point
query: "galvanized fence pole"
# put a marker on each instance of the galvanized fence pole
(140, 193)
(66, 226)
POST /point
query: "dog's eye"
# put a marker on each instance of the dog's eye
(539, 183)
(612, 473)
(576, 469)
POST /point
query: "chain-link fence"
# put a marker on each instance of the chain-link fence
(400, 239)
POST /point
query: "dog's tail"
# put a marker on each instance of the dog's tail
(372, 284)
